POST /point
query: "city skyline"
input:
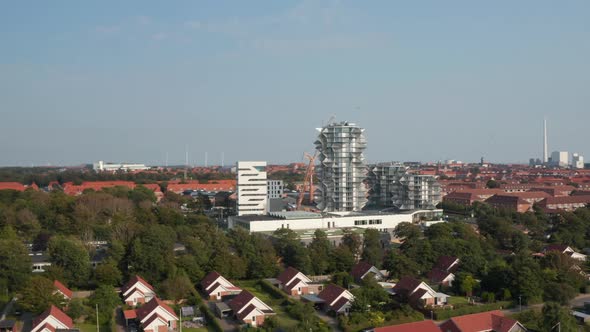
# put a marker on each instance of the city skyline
(428, 81)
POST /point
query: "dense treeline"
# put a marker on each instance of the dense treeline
(43, 176)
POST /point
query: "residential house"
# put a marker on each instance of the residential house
(40, 261)
(249, 309)
(469, 196)
(440, 277)
(490, 321)
(217, 287)
(509, 202)
(51, 320)
(62, 290)
(336, 299)
(556, 191)
(363, 269)
(447, 263)
(156, 316)
(295, 283)
(418, 294)
(566, 250)
(422, 326)
(568, 203)
(137, 291)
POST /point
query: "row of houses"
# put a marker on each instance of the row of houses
(490, 321)
(520, 201)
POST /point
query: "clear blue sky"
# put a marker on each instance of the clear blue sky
(82, 81)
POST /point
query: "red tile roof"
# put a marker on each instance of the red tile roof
(146, 309)
(423, 326)
(12, 186)
(287, 275)
(72, 189)
(131, 283)
(63, 289)
(437, 275)
(55, 313)
(485, 321)
(446, 262)
(406, 285)
(238, 302)
(360, 269)
(209, 279)
(130, 314)
(330, 293)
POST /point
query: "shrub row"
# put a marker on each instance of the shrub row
(275, 292)
(209, 316)
(442, 314)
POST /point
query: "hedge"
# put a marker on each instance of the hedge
(275, 292)
(441, 314)
(209, 316)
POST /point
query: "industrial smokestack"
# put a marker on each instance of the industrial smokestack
(545, 154)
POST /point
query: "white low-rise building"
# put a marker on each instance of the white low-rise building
(301, 220)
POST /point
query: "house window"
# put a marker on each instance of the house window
(169, 323)
(254, 319)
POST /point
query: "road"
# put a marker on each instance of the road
(578, 301)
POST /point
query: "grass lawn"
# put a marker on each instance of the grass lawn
(194, 329)
(86, 327)
(285, 321)
(454, 300)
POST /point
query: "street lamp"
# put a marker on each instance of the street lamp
(520, 303)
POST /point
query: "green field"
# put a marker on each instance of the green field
(86, 327)
(454, 300)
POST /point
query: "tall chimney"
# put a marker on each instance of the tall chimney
(545, 155)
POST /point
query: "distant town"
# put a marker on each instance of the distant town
(330, 244)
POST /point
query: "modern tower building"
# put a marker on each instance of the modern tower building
(577, 160)
(252, 188)
(341, 170)
(415, 191)
(392, 186)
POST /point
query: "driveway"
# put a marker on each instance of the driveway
(331, 321)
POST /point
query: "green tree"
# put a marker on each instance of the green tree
(15, 263)
(151, 253)
(38, 294)
(320, 249)
(400, 265)
(467, 285)
(72, 256)
(554, 314)
(108, 273)
(107, 300)
(177, 287)
(559, 292)
(372, 251)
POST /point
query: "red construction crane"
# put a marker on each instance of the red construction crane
(307, 180)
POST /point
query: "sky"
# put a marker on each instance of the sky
(432, 80)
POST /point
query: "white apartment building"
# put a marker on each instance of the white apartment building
(101, 166)
(251, 188)
(560, 158)
(577, 160)
(341, 170)
(274, 189)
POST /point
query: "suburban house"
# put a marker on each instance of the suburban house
(469, 196)
(40, 261)
(442, 272)
(490, 321)
(362, 269)
(52, 319)
(422, 326)
(568, 203)
(8, 325)
(418, 294)
(62, 290)
(217, 287)
(566, 250)
(336, 299)
(137, 291)
(249, 309)
(293, 282)
(509, 202)
(156, 316)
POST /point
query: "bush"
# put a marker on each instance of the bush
(442, 314)
(275, 292)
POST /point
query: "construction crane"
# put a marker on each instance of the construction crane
(307, 180)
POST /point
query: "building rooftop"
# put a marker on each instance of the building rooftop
(291, 215)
